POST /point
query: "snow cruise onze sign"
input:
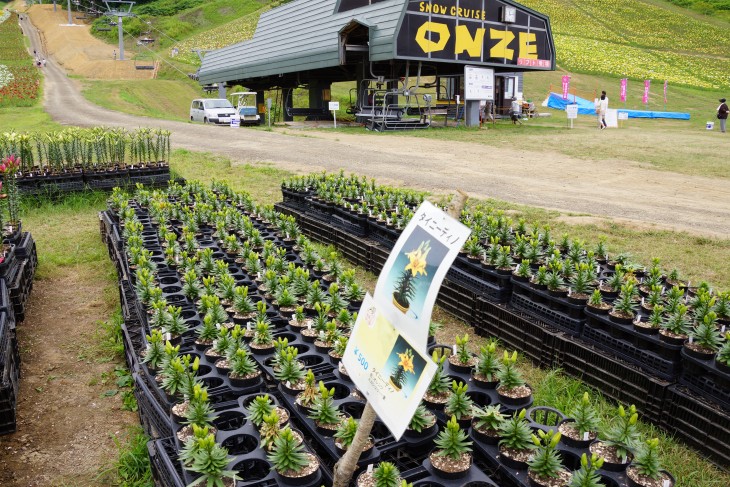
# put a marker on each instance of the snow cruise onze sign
(485, 32)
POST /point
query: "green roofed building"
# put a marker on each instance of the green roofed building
(385, 43)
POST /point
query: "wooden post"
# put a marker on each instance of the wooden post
(345, 467)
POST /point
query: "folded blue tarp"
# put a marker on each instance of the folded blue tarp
(586, 107)
(650, 114)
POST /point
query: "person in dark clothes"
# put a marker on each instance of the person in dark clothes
(722, 114)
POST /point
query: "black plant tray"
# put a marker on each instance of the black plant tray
(698, 422)
(545, 313)
(381, 233)
(352, 223)
(621, 381)
(155, 420)
(478, 270)
(457, 300)
(668, 355)
(51, 183)
(533, 338)
(9, 266)
(706, 379)
(646, 360)
(495, 290)
(134, 343)
(106, 180)
(9, 382)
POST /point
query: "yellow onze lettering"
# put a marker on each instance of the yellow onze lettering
(428, 45)
(500, 50)
(465, 42)
(528, 50)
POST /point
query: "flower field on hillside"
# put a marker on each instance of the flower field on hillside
(19, 79)
(232, 32)
(603, 36)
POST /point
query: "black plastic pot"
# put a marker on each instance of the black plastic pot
(572, 442)
(449, 475)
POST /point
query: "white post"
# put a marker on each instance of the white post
(70, 20)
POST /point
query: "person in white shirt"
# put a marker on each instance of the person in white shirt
(515, 110)
(601, 109)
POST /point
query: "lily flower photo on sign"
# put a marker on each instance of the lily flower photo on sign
(391, 373)
(405, 288)
(410, 280)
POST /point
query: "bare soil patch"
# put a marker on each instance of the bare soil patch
(79, 52)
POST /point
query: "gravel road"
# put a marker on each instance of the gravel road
(620, 190)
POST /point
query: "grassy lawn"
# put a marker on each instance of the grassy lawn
(164, 99)
(26, 119)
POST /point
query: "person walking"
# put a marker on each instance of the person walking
(601, 109)
(722, 111)
(515, 110)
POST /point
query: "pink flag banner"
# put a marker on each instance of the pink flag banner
(566, 86)
(624, 85)
(665, 91)
(645, 99)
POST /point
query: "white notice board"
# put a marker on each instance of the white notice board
(478, 83)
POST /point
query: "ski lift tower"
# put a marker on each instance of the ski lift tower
(119, 9)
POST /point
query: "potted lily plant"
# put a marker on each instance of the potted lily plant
(621, 439)
(705, 339)
(325, 414)
(385, 474)
(587, 475)
(210, 460)
(722, 360)
(515, 446)
(292, 464)
(345, 434)
(422, 423)
(582, 428)
(676, 326)
(487, 366)
(486, 424)
(462, 360)
(438, 390)
(452, 456)
(512, 388)
(596, 304)
(545, 468)
(305, 399)
(243, 370)
(459, 405)
(646, 470)
(290, 373)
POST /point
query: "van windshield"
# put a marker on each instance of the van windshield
(218, 104)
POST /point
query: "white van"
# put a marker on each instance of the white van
(212, 110)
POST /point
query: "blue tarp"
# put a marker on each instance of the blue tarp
(586, 107)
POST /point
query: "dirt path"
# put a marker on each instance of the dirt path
(65, 424)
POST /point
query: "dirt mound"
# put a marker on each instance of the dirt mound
(79, 52)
